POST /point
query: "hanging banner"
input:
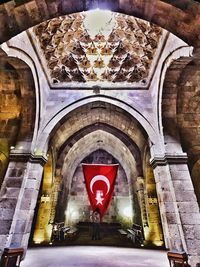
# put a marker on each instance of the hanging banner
(100, 181)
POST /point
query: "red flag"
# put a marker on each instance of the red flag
(100, 181)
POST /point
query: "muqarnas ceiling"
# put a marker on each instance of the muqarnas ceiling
(119, 52)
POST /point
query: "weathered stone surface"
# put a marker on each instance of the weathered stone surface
(188, 207)
(6, 214)
(194, 260)
(5, 226)
(197, 231)
(3, 240)
(193, 246)
(32, 184)
(183, 186)
(8, 203)
(166, 196)
(12, 192)
(20, 226)
(28, 202)
(190, 218)
(178, 167)
(23, 215)
(20, 218)
(171, 218)
(189, 231)
(14, 182)
(169, 207)
(187, 196)
(180, 175)
(16, 240)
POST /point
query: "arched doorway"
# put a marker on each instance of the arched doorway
(73, 145)
(17, 120)
(17, 113)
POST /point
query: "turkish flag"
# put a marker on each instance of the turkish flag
(100, 181)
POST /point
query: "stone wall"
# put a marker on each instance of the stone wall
(18, 198)
(181, 112)
(10, 108)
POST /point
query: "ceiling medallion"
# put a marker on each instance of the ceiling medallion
(98, 47)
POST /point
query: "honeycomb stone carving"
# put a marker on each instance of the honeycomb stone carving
(73, 55)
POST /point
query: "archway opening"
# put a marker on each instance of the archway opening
(100, 139)
(17, 109)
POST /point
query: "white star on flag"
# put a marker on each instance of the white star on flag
(99, 197)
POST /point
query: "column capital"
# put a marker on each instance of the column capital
(28, 157)
(162, 160)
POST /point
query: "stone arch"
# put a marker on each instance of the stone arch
(180, 18)
(121, 155)
(180, 109)
(90, 103)
(24, 93)
(72, 158)
(112, 145)
(88, 118)
(95, 115)
(128, 143)
(17, 112)
(181, 54)
(15, 54)
(169, 103)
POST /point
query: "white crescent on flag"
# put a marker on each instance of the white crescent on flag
(100, 178)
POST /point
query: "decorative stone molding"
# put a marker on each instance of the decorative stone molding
(28, 157)
(161, 160)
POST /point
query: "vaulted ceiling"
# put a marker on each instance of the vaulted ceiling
(97, 46)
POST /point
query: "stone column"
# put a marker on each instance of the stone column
(141, 200)
(18, 198)
(178, 204)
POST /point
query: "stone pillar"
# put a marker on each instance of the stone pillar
(18, 198)
(141, 200)
(178, 204)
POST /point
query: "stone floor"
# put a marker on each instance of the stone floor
(94, 256)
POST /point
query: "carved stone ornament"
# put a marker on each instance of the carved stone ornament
(118, 53)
